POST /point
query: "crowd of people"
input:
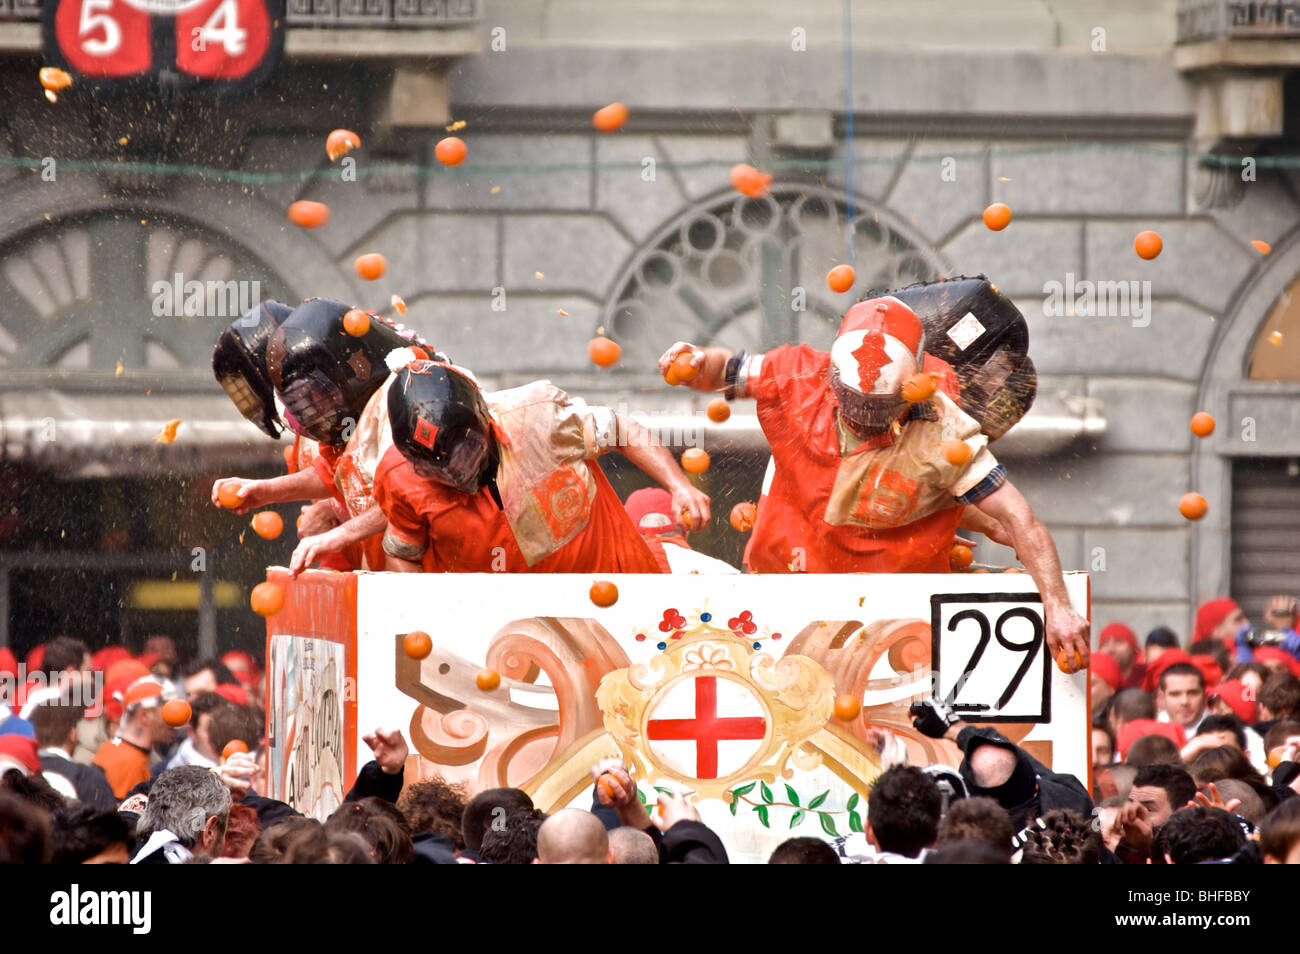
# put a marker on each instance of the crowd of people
(1196, 759)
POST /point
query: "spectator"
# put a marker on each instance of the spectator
(1162, 790)
(204, 675)
(903, 815)
(433, 811)
(1200, 834)
(66, 666)
(231, 723)
(1106, 679)
(1181, 696)
(86, 835)
(24, 832)
(1279, 698)
(273, 842)
(1120, 643)
(1060, 838)
(514, 841)
(1231, 697)
(1275, 742)
(186, 815)
(1103, 744)
(1219, 619)
(1142, 728)
(1279, 836)
(1127, 706)
(242, 831)
(382, 826)
(1249, 803)
(651, 510)
(1158, 642)
(804, 851)
(125, 760)
(313, 845)
(631, 846)
(967, 853)
(56, 734)
(1215, 650)
(1223, 761)
(977, 819)
(486, 810)
(573, 837)
(196, 748)
(1153, 750)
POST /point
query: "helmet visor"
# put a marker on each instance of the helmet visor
(464, 465)
(314, 406)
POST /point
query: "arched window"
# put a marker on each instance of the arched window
(1276, 354)
(751, 273)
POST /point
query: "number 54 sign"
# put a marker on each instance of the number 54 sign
(214, 43)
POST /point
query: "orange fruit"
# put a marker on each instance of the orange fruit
(55, 79)
(606, 784)
(604, 352)
(228, 495)
(695, 461)
(1061, 663)
(370, 266)
(918, 388)
(847, 707)
(956, 452)
(997, 216)
(399, 303)
(747, 180)
(1012, 569)
(268, 524)
(450, 151)
(611, 117)
(1193, 506)
(1202, 424)
(417, 644)
(487, 679)
(308, 214)
(682, 369)
(356, 323)
(176, 713)
(267, 599)
(1148, 245)
(603, 593)
(340, 142)
(719, 410)
(960, 557)
(840, 278)
(1260, 246)
(233, 746)
(743, 516)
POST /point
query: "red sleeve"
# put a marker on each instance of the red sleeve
(323, 463)
(394, 477)
(786, 370)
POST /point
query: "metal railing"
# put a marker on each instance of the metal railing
(391, 14)
(1216, 20)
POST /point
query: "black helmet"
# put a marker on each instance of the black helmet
(442, 426)
(324, 375)
(239, 364)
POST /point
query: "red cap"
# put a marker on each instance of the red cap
(1233, 692)
(651, 510)
(147, 660)
(103, 658)
(142, 690)
(1121, 632)
(233, 693)
(243, 666)
(1163, 662)
(35, 658)
(1268, 654)
(1105, 666)
(889, 316)
(1209, 669)
(8, 661)
(22, 750)
(125, 669)
(1210, 614)
(1140, 727)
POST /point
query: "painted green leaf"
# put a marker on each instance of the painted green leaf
(641, 795)
(664, 791)
(828, 825)
(818, 800)
(797, 817)
(735, 803)
(853, 801)
(765, 792)
(792, 795)
(744, 789)
(855, 822)
(762, 816)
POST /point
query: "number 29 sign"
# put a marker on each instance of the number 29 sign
(217, 44)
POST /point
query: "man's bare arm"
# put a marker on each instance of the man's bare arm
(641, 448)
(304, 485)
(361, 527)
(712, 364)
(1067, 631)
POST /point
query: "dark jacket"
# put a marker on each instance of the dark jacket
(1051, 791)
(88, 781)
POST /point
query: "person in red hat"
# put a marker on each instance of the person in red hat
(1107, 679)
(651, 509)
(1229, 698)
(1138, 728)
(1121, 643)
(1219, 619)
(125, 759)
(861, 480)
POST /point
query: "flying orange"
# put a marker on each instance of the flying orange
(997, 216)
(450, 151)
(841, 278)
(609, 118)
(604, 352)
(340, 142)
(307, 214)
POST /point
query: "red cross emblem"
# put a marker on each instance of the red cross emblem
(425, 433)
(739, 732)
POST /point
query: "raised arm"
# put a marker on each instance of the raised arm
(712, 364)
(641, 448)
(1067, 631)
